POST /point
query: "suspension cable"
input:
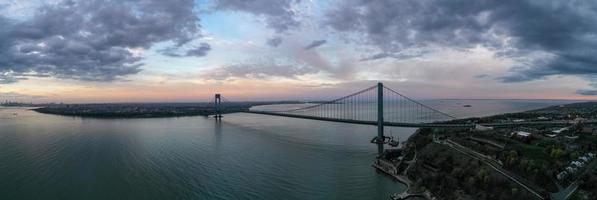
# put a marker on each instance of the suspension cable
(412, 100)
(332, 101)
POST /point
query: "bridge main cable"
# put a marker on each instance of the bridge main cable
(421, 104)
(331, 101)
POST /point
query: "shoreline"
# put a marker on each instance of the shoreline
(393, 171)
(496, 143)
(109, 116)
(145, 110)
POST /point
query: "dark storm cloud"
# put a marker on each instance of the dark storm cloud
(315, 44)
(278, 13)
(274, 42)
(258, 71)
(93, 40)
(397, 25)
(546, 37)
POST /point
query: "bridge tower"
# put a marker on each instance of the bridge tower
(380, 136)
(218, 106)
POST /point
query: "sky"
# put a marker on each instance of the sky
(89, 51)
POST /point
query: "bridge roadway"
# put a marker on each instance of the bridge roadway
(418, 125)
(374, 123)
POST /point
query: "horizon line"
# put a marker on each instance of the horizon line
(305, 101)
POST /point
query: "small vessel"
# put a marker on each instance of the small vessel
(466, 106)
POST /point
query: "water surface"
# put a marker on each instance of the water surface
(245, 156)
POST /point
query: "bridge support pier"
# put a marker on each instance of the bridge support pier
(218, 106)
(380, 121)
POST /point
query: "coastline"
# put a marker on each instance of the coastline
(484, 153)
(146, 110)
(393, 170)
(118, 115)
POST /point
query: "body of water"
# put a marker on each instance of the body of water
(245, 156)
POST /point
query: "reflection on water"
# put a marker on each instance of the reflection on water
(245, 156)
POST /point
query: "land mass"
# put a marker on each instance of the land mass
(147, 110)
(534, 161)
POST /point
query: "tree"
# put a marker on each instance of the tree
(511, 158)
(483, 177)
(557, 153)
(574, 155)
(514, 191)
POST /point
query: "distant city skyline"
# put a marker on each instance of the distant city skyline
(94, 51)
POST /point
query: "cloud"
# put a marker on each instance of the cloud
(93, 40)
(279, 14)
(545, 37)
(376, 56)
(340, 67)
(482, 76)
(400, 55)
(399, 25)
(274, 42)
(16, 95)
(197, 51)
(6, 78)
(587, 92)
(257, 71)
(315, 44)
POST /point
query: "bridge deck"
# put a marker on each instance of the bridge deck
(419, 125)
(374, 123)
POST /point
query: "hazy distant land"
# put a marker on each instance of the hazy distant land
(145, 110)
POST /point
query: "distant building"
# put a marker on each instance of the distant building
(560, 130)
(577, 164)
(562, 175)
(520, 134)
(571, 170)
(542, 118)
(589, 130)
(578, 120)
(482, 128)
(551, 135)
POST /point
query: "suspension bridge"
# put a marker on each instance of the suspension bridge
(377, 105)
(381, 106)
